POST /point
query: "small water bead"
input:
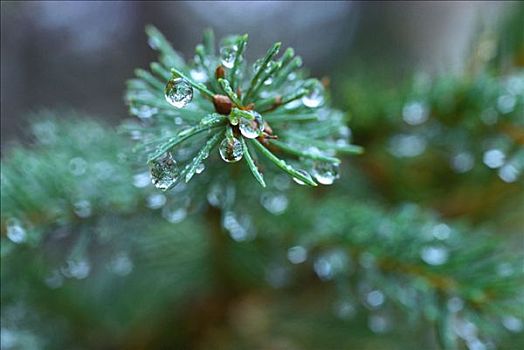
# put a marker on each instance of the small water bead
(199, 75)
(415, 113)
(141, 180)
(164, 172)
(406, 146)
(462, 162)
(506, 103)
(143, 112)
(435, 255)
(78, 269)
(121, 265)
(509, 173)
(274, 203)
(305, 174)
(513, 324)
(156, 200)
(227, 55)
(15, 232)
(178, 92)
(494, 158)
(379, 323)
(239, 227)
(200, 168)
(252, 128)
(375, 299)
(297, 254)
(325, 173)
(315, 97)
(82, 208)
(77, 166)
(231, 150)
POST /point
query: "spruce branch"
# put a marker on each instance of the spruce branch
(246, 99)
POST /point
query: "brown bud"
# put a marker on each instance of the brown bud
(326, 81)
(222, 104)
(220, 72)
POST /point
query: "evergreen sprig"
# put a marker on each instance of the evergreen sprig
(271, 105)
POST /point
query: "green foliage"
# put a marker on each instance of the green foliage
(271, 99)
(94, 256)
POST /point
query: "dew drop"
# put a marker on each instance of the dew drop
(462, 162)
(375, 299)
(513, 324)
(252, 128)
(415, 113)
(227, 55)
(121, 265)
(82, 208)
(325, 173)
(141, 180)
(164, 172)
(15, 232)
(304, 173)
(143, 112)
(297, 254)
(200, 168)
(509, 173)
(156, 200)
(199, 75)
(231, 150)
(78, 269)
(315, 97)
(494, 158)
(274, 203)
(178, 92)
(434, 255)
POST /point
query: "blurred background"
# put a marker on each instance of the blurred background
(79, 54)
(418, 245)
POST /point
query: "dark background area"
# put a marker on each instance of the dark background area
(79, 54)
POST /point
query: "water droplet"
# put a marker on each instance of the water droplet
(175, 215)
(441, 231)
(164, 172)
(297, 254)
(239, 228)
(178, 92)
(434, 255)
(375, 299)
(513, 324)
(344, 309)
(462, 162)
(329, 264)
(494, 158)
(489, 116)
(405, 145)
(156, 200)
(268, 81)
(455, 304)
(77, 166)
(227, 55)
(252, 128)
(121, 265)
(506, 103)
(78, 269)
(200, 168)
(305, 173)
(82, 208)
(379, 323)
(231, 150)
(141, 180)
(325, 173)
(315, 96)
(15, 232)
(509, 173)
(274, 203)
(505, 270)
(415, 113)
(54, 280)
(143, 112)
(199, 75)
